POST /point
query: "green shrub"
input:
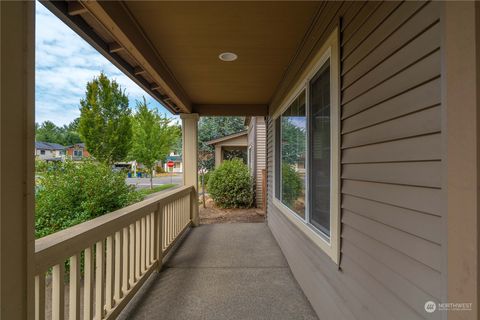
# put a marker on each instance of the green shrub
(230, 185)
(70, 193)
(291, 184)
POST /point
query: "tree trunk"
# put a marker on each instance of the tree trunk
(151, 179)
(203, 189)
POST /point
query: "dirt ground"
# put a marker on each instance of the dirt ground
(212, 214)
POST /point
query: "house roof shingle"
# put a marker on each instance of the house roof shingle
(48, 146)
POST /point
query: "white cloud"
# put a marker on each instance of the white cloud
(64, 63)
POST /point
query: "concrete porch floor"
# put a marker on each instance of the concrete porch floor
(224, 271)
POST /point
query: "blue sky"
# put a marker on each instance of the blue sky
(64, 63)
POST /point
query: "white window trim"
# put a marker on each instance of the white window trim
(330, 245)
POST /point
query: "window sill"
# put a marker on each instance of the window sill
(315, 236)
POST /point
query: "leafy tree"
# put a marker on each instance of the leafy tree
(70, 133)
(153, 137)
(210, 128)
(177, 145)
(48, 132)
(293, 141)
(105, 122)
(66, 135)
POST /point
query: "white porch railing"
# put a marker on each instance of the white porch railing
(119, 251)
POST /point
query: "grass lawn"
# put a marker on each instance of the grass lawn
(147, 191)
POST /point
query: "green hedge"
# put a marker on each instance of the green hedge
(70, 193)
(231, 185)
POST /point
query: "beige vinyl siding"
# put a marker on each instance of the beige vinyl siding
(260, 155)
(392, 235)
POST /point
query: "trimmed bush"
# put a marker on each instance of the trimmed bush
(230, 185)
(70, 193)
(291, 185)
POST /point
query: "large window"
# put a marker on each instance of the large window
(306, 173)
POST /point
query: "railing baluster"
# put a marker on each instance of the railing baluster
(118, 266)
(109, 274)
(172, 224)
(177, 213)
(99, 278)
(152, 237)
(184, 211)
(58, 292)
(126, 256)
(147, 241)
(40, 296)
(164, 226)
(175, 204)
(132, 255)
(88, 284)
(159, 235)
(187, 209)
(142, 244)
(167, 225)
(137, 251)
(74, 297)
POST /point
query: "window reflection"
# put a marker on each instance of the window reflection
(293, 145)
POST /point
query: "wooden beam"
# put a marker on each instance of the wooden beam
(114, 47)
(231, 109)
(154, 86)
(116, 18)
(138, 71)
(108, 50)
(76, 8)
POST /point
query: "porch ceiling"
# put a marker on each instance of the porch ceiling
(190, 36)
(173, 48)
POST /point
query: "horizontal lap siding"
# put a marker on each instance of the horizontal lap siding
(260, 158)
(391, 240)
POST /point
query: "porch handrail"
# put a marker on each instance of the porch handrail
(119, 249)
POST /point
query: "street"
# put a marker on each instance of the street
(145, 182)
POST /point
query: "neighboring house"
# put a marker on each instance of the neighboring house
(256, 155)
(232, 142)
(77, 151)
(177, 163)
(49, 151)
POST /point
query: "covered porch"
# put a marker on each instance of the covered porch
(387, 218)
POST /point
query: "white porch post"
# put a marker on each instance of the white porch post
(17, 48)
(190, 156)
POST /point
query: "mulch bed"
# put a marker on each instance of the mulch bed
(212, 214)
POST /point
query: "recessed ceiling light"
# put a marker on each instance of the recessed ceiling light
(228, 56)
